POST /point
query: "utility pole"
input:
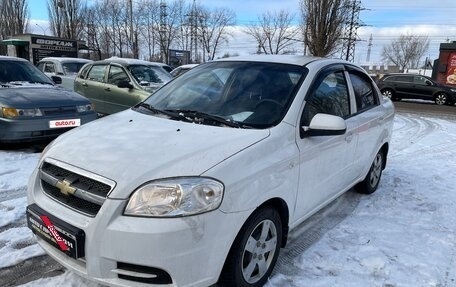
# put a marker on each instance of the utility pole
(163, 32)
(351, 29)
(369, 49)
(133, 39)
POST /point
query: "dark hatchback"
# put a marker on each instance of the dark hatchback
(410, 86)
(33, 108)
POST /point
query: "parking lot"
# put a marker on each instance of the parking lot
(403, 234)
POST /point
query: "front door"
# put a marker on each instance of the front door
(326, 161)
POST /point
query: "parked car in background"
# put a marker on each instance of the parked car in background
(182, 69)
(212, 171)
(32, 107)
(411, 86)
(116, 84)
(165, 67)
(65, 68)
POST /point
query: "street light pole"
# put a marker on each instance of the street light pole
(44, 31)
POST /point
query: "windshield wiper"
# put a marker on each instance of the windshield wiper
(201, 116)
(172, 115)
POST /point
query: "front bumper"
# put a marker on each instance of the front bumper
(15, 130)
(120, 250)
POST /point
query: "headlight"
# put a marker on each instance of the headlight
(10, 113)
(453, 90)
(176, 197)
(84, 108)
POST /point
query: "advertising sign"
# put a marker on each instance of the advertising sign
(53, 47)
(451, 70)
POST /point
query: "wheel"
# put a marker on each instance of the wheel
(388, 93)
(254, 251)
(372, 179)
(441, 99)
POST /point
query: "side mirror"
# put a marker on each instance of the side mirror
(124, 84)
(56, 79)
(324, 125)
(428, 83)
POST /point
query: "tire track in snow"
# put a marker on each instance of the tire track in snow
(313, 229)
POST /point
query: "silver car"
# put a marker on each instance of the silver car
(32, 107)
(65, 68)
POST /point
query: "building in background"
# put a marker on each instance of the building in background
(444, 70)
(36, 47)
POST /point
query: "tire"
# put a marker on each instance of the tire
(441, 99)
(388, 93)
(370, 183)
(254, 252)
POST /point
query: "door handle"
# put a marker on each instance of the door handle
(108, 89)
(85, 85)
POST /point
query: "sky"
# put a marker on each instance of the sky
(385, 20)
(402, 235)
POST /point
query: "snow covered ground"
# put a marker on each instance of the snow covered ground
(402, 235)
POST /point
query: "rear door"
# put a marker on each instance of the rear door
(403, 86)
(369, 115)
(422, 88)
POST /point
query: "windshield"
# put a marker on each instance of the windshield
(72, 68)
(149, 74)
(19, 71)
(250, 93)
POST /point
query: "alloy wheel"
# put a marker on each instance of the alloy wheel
(259, 251)
(376, 170)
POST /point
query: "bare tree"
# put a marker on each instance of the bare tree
(66, 17)
(406, 51)
(274, 33)
(213, 28)
(323, 24)
(149, 15)
(14, 17)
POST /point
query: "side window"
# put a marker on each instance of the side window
(330, 97)
(405, 79)
(49, 68)
(97, 73)
(40, 66)
(364, 93)
(419, 80)
(117, 74)
(83, 72)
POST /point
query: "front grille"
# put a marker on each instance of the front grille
(59, 111)
(72, 201)
(79, 192)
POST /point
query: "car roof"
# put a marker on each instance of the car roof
(404, 74)
(284, 59)
(127, 61)
(66, 59)
(12, 58)
(188, 66)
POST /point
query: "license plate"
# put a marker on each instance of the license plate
(61, 235)
(64, 123)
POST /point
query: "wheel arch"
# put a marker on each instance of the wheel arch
(384, 149)
(282, 208)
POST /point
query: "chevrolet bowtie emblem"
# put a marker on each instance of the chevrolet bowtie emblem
(65, 187)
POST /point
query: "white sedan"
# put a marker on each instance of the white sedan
(201, 183)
